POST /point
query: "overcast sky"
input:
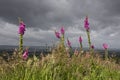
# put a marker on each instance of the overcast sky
(42, 17)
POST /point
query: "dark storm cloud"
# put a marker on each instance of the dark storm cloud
(35, 13)
(26, 9)
(47, 13)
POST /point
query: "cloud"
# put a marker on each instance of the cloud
(42, 17)
(45, 14)
(37, 13)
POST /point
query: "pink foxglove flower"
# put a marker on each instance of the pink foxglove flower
(80, 39)
(68, 43)
(21, 28)
(105, 46)
(86, 24)
(57, 34)
(25, 55)
(62, 30)
(92, 46)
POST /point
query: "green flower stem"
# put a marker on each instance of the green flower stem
(89, 41)
(71, 52)
(62, 46)
(21, 43)
(106, 54)
(62, 41)
(81, 47)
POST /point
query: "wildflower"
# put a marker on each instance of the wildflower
(25, 55)
(57, 34)
(21, 33)
(21, 28)
(92, 46)
(62, 30)
(80, 39)
(70, 47)
(105, 46)
(61, 37)
(86, 24)
(68, 43)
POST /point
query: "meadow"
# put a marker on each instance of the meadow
(62, 63)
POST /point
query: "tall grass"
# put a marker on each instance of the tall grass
(57, 66)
